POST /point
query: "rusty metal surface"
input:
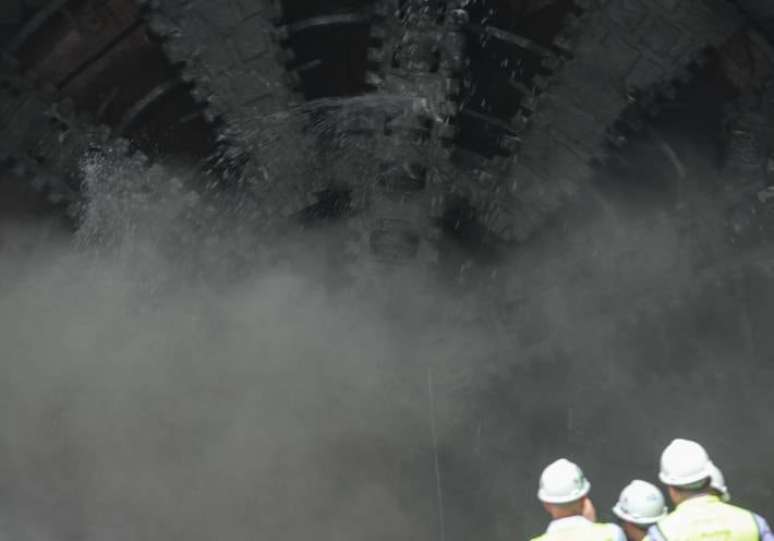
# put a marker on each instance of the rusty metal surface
(74, 36)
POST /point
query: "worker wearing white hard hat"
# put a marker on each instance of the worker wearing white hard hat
(639, 507)
(699, 515)
(564, 492)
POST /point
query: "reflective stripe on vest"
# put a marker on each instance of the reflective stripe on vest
(706, 518)
(583, 532)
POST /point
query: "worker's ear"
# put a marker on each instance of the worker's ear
(587, 510)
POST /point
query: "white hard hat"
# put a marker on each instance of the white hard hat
(718, 482)
(640, 503)
(684, 463)
(562, 482)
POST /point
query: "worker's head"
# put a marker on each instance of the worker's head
(686, 469)
(718, 484)
(564, 489)
(639, 506)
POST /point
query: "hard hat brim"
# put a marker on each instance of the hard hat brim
(623, 515)
(546, 498)
(683, 481)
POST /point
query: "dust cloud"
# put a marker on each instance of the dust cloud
(173, 373)
(165, 375)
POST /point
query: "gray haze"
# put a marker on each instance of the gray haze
(171, 374)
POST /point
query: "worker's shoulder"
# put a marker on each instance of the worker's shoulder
(717, 509)
(725, 507)
(739, 509)
(596, 531)
(608, 531)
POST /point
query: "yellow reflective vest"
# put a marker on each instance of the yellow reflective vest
(706, 518)
(583, 531)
